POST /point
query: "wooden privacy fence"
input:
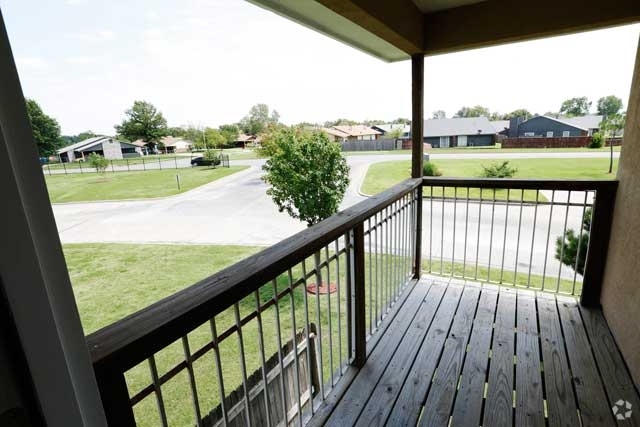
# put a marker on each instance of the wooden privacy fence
(375, 145)
(256, 397)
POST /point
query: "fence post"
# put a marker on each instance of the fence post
(599, 235)
(159, 163)
(112, 169)
(175, 159)
(49, 169)
(115, 398)
(80, 163)
(143, 166)
(65, 168)
(128, 168)
(357, 285)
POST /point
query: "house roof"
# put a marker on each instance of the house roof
(591, 121)
(563, 121)
(458, 126)
(357, 130)
(172, 141)
(500, 125)
(391, 126)
(335, 132)
(79, 146)
(244, 138)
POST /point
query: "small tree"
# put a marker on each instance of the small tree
(498, 170)
(611, 127)
(596, 140)
(212, 157)
(571, 249)
(98, 162)
(307, 174)
(430, 169)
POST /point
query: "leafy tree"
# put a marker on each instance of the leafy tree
(176, 131)
(571, 249)
(258, 119)
(230, 134)
(143, 121)
(374, 122)
(520, 112)
(194, 135)
(576, 106)
(394, 133)
(498, 170)
(212, 157)
(340, 122)
(611, 127)
(98, 162)
(72, 139)
(477, 111)
(596, 140)
(609, 105)
(46, 130)
(307, 174)
(401, 121)
(552, 114)
(439, 114)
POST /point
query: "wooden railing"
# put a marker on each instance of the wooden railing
(506, 231)
(175, 362)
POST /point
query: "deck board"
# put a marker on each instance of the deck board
(450, 342)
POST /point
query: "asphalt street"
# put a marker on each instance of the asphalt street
(235, 210)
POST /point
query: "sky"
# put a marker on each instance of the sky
(206, 62)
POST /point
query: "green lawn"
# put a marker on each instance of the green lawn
(381, 176)
(487, 150)
(131, 185)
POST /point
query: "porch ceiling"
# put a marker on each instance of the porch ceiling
(394, 30)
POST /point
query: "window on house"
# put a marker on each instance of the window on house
(550, 134)
(529, 134)
(566, 133)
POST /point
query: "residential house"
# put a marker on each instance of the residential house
(336, 135)
(459, 132)
(244, 140)
(176, 145)
(501, 127)
(105, 146)
(358, 132)
(550, 127)
(405, 130)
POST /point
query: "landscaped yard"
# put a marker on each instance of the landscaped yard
(131, 185)
(381, 176)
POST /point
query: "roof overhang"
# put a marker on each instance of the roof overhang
(395, 30)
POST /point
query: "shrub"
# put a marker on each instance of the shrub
(571, 249)
(498, 170)
(596, 141)
(430, 169)
(98, 162)
(212, 157)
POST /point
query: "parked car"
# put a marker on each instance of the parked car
(201, 161)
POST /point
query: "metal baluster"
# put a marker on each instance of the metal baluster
(442, 234)
(533, 237)
(276, 305)
(475, 276)
(192, 379)
(263, 360)
(330, 314)
(455, 212)
(158, 390)
(338, 286)
(370, 280)
(466, 229)
(493, 209)
(504, 240)
(387, 269)
(575, 267)
(564, 232)
(295, 347)
(316, 257)
(515, 273)
(546, 248)
(307, 331)
(216, 352)
(430, 230)
(243, 364)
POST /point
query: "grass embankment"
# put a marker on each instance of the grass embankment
(131, 185)
(381, 176)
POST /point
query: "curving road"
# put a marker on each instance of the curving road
(235, 210)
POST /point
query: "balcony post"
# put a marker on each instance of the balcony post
(417, 144)
(599, 235)
(115, 398)
(359, 317)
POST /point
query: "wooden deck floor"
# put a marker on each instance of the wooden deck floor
(463, 355)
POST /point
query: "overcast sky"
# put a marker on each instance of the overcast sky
(206, 62)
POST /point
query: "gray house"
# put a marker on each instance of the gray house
(103, 145)
(459, 132)
(549, 127)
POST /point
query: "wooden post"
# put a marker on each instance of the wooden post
(359, 297)
(115, 399)
(599, 235)
(417, 144)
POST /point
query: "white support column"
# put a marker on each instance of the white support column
(33, 271)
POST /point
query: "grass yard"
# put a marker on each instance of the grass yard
(486, 150)
(381, 176)
(130, 185)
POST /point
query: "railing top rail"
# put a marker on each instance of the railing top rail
(522, 183)
(129, 341)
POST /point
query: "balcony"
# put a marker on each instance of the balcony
(437, 301)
